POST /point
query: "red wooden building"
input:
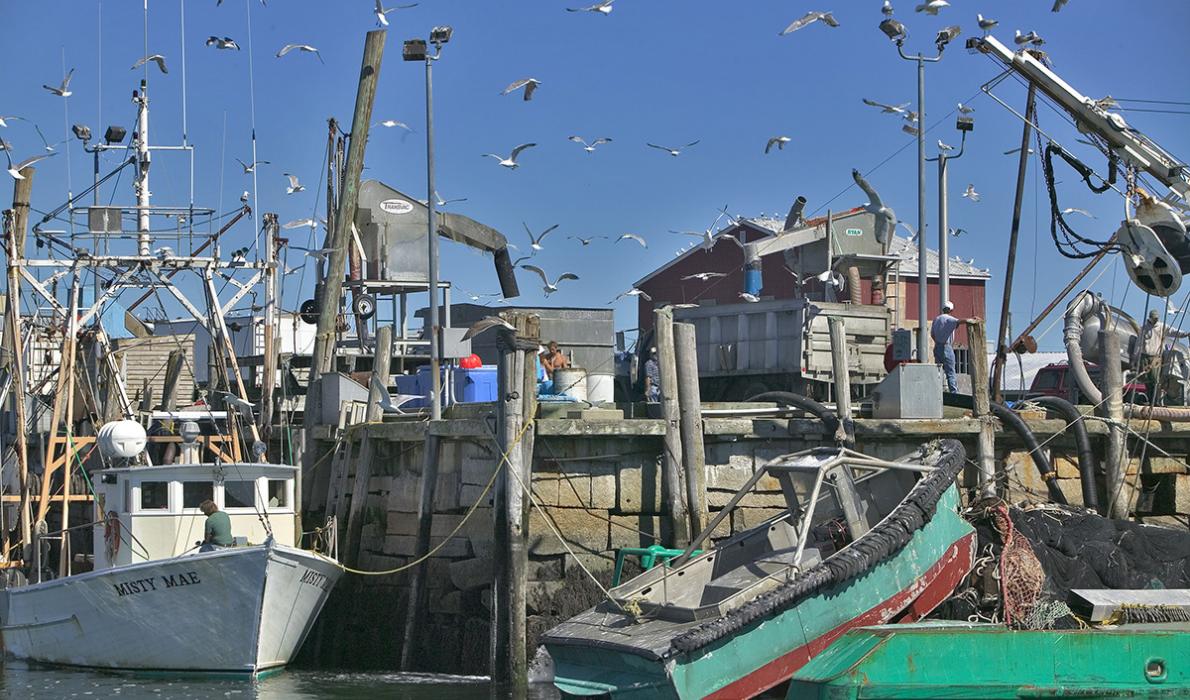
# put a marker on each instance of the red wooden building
(673, 283)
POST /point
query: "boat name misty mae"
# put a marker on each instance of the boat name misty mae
(316, 579)
(145, 585)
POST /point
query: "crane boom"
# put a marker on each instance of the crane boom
(1131, 145)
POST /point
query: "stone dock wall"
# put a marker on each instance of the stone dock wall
(598, 483)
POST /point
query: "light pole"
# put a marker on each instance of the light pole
(415, 50)
(895, 31)
(964, 124)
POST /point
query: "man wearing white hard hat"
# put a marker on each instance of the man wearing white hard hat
(942, 331)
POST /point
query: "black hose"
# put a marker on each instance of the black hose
(844, 431)
(1012, 420)
(1086, 456)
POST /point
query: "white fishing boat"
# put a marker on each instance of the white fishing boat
(154, 602)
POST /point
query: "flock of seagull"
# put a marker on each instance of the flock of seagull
(527, 87)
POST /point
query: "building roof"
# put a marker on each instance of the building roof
(900, 247)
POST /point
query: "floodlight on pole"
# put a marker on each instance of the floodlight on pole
(894, 30)
(963, 124)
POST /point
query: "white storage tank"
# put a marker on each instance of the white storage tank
(121, 439)
(571, 381)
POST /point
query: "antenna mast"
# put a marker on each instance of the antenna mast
(143, 158)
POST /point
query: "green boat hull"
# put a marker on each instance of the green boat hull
(769, 651)
(983, 661)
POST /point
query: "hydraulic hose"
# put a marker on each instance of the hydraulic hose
(1086, 456)
(1012, 420)
(1084, 305)
(844, 431)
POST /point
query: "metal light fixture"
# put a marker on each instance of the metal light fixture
(440, 35)
(414, 50)
(965, 124)
(114, 134)
(893, 29)
(82, 132)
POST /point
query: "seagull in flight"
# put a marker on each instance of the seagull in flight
(704, 276)
(1017, 150)
(249, 169)
(49, 147)
(510, 161)
(4, 120)
(224, 43)
(299, 223)
(634, 292)
(632, 237)
(809, 18)
(956, 232)
(15, 170)
(529, 84)
(549, 287)
(932, 7)
(1058, 5)
(380, 11)
(604, 8)
(535, 241)
(971, 194)
(779, 141)
(750, 298)
(294, 185)
(987, 24)
(155, 58)
(584, 241)
(390, 403)
(886, 218)
(887, 109)
(304, 48)
(675, 152)
(439, 201)
(62, 90)
(589, 147)
(1075, 210)
(486, 323)
(390, 123)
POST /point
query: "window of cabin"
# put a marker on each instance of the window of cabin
(154, 495)
(195, 492)
(278, 493)
(239, 494)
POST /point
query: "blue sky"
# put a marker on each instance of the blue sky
(653, 71)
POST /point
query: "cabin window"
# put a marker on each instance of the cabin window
(239, 494)
(195, 492)
(278, 493)
(154, 495)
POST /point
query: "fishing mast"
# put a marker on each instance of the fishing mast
(143, 160)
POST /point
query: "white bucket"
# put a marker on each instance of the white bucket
(571, 381)
(601, 388)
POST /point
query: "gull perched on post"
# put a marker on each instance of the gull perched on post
(535, 241)
(380, 12)
(886, 109)
(1032, 38)
(224, 43)
(62, 90)
(944, 147)
(304, 48)
(986, 24)
(155, 58)
(294, 185)
(964, 109)
(529, 84)
(604, 8)
(779, 141)
(675, 152)
(809, 18)
(550, 287)
(589, 147)
(886, 9)
(510, 161)
(886, 218)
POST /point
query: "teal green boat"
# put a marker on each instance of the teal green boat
(989, 662)
(863, 541)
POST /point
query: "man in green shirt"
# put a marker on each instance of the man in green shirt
(217, 530)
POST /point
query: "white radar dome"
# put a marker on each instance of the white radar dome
(121, 439)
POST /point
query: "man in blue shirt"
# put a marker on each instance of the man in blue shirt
(942, 331)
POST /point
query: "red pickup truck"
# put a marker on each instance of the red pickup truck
(1056, 380)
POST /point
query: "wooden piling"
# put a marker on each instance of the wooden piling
(1113, 406)
(842, 374)
(690, 407)
(363, 466)
(671, 473)
(977, 342)
(22, 190)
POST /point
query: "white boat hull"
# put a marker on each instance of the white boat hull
(239, 610)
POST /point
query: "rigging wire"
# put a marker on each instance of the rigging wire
(1153, 102)
(252, 111)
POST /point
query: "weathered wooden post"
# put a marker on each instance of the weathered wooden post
(842, 375)
(363, 466)
(16, 251)
(340, 236)
(663, 329)
(977, 342)
(1113, 390)
(528, 342)
(694, 456)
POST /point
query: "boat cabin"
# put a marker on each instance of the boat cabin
(152, 513)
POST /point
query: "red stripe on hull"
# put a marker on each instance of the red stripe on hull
(935, 584)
